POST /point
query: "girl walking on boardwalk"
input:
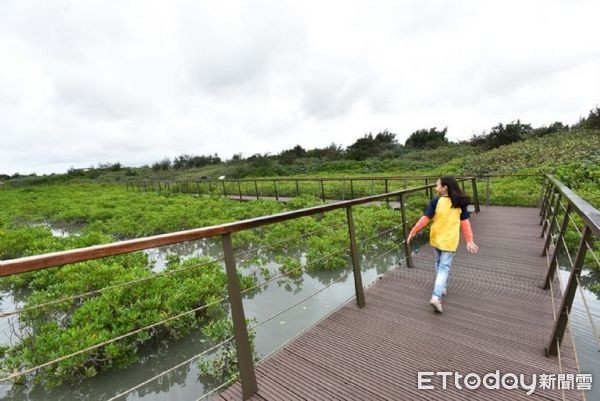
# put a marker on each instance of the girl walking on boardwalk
(448, 211)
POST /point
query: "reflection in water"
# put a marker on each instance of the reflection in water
(60, 230)
(158, 257)
(182, 383)
(10, 330)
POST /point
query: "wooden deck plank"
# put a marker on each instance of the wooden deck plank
(496, 317)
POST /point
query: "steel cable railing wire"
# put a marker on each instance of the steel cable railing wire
(589, 314)
(572, 340)
(136, 281)
(217, 389)
(298, 269)
(254, 326)
(137, 331)
(552, 295)
(287, 239)
(300, 302)
(171, 369)
(110, 341)
(123, 336)
(303, 268)
(560, 369)
(344, 276)
(588, 311)
(566, 248)
(592, 252)
(112, 287)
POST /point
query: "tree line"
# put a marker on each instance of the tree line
(383, 145)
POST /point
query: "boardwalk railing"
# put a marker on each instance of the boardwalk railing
(324, 188)
(333, 188)
(559, 205)
(224, 231)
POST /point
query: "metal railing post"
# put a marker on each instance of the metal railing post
(561, 323)
(542, 188)
(387, 200)
(240, 331)
(256, 189)
(545, 188)
(351, 189)
(239, 189)
(475, 194)
(358, 286)
(209, 188)
(551, 228)
(224, 190)
(552, 267)
(297, 188)
(198, 187)
(405, 232)
(551, 190)
(550, 212)
(322, 191)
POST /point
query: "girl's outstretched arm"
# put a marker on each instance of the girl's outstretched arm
(465, 227)
(423, 221)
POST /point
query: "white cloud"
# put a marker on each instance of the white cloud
(134, 81)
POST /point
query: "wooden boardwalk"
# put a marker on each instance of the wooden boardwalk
(496, 317)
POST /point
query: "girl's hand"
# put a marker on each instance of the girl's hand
(410, 237)
(471, 247)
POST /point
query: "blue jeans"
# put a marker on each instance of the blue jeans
(443, 263)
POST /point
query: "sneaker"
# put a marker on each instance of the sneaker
(436, 304)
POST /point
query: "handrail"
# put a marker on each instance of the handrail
(340, 178)
(306, 179)
(553, 194)
(589, 214)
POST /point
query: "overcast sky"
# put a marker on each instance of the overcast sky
(88, 82)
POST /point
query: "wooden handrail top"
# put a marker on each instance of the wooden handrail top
(589, 214)
(325, 179)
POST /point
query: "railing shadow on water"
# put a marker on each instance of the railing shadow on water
(351, 234)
